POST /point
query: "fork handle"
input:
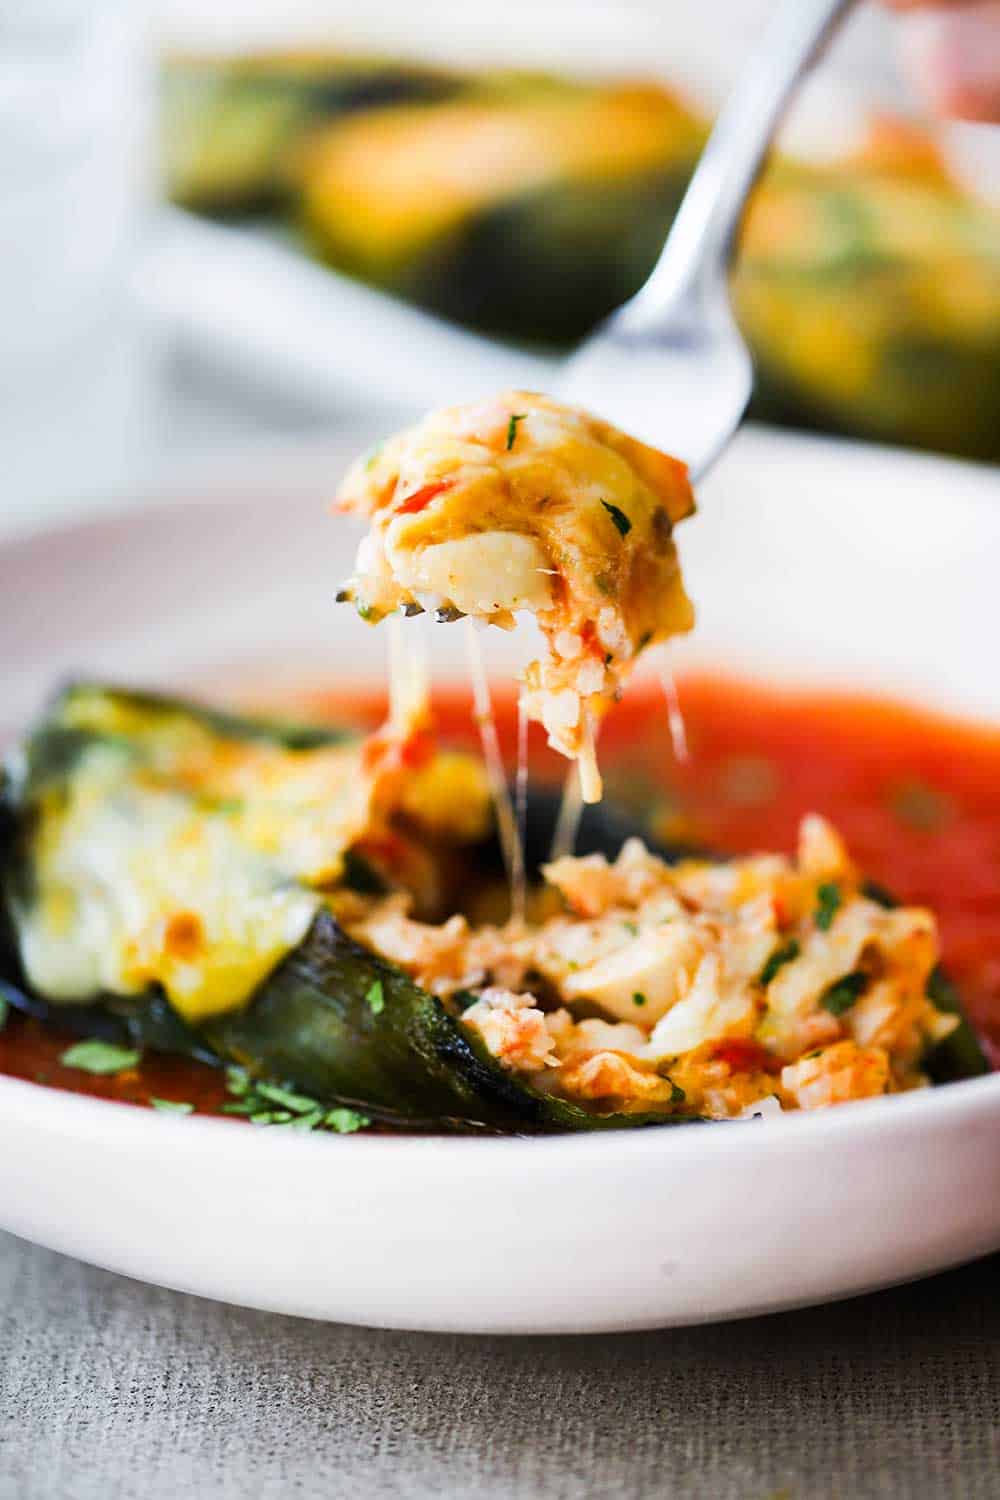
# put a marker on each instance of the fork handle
(704, 229)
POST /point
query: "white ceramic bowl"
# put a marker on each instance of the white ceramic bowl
(810, 560)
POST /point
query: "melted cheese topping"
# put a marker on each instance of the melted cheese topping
(176, 856)
(526, 504)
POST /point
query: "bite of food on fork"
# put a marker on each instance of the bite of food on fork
(522, 503)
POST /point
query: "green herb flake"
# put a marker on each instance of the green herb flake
(842, 994)
(621, 520)
(102, 1059)
(517, 416)
(638, 998)
(272, 1117)
(828, 903)
(376, 998)
(632, 928)
(372, 456)
(464, 999)
(345, 1121)
(299, 1104)
(677, 1094)
(749, 780)
(240, 1107)
(238, 1082)
(172, 1106)
(778, 959)
(921, 806)
(4, 1011)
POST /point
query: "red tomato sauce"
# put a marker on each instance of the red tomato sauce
(916, 796)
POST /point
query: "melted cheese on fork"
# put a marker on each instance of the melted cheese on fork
(524, 504)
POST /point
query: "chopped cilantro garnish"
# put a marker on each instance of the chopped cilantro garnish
(778, 959)
(677, 1094)
(638, 998)
(621, 520)
(842, 994)
(376, 998)
(828, 903)
(463, 999)
(516, 417)
(345, 1121)
(299, 1104)
(172, 1106)
(632, 928)
(103, 1059)
(4, 1011)
(238, 1082)
(273, 1105)
(271, 1117)
(921, 806)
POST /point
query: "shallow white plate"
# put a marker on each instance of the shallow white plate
(809, 559)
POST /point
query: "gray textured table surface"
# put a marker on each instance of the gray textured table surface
(111, 1390)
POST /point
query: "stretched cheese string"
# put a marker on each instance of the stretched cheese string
(591, 785)
(507, 828)
(409, 681)
(568, 821)
(675, 718)
(518, 891)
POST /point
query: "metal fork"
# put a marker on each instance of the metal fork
(671, 366)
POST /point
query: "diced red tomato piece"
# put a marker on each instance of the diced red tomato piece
(421, 498)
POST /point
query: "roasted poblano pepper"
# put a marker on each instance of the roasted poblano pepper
(870, 296)
(309, 1022)
(530, 210)
(228, 124)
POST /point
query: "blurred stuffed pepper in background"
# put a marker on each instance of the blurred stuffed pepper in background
(530, 206)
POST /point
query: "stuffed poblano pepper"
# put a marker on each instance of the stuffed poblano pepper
(531, 210)
(301, 903)
(228, 124)
(869, 291)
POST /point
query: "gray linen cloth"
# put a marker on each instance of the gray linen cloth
(110, 1390)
